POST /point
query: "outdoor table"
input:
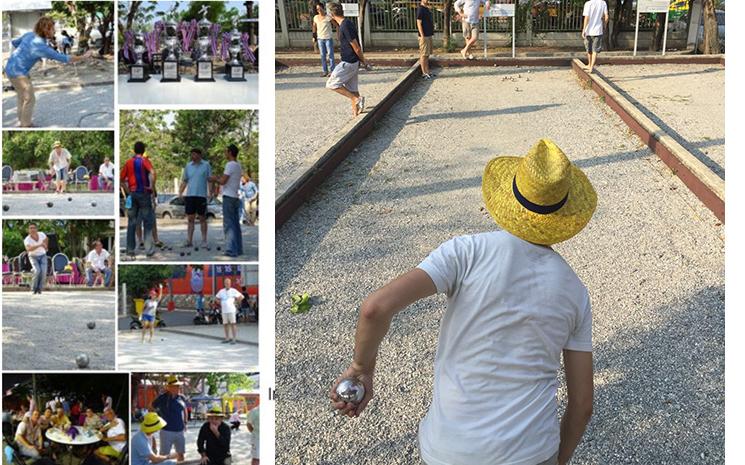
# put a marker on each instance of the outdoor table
(85, 437)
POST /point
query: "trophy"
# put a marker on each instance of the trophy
(234, 68)
(204, 60)
(137, 70)
(170, 68)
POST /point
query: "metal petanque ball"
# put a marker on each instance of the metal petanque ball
(82, 360)
(182, 254)
(91, 324)
(93, 204)
(69, 199)
(50, 204)
(6, 208)
(350, 390)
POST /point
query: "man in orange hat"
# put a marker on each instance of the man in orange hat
(514, 308)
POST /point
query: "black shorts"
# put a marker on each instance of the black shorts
(195, 205)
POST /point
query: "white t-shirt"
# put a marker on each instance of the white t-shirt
(233, 170)
(227, 299)
(595, 9)
(106, 171)
(98, 261)
(61, 160)
(254, 418)
(30, 241)
(513, 307)
(116, 430)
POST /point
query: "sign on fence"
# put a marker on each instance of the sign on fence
(651, 6)
(500, 10)
(351, 9)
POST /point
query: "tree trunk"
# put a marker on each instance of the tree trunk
(607, 27)
(447, 14)
(361, 20)
(620, 13)
(711, 30)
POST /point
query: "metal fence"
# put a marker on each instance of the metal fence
(400, 16)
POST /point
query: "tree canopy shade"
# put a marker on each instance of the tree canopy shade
(170, 136)
(30, 149)
(214, 384)
(75, 237)
(82, 15)
(141, 278)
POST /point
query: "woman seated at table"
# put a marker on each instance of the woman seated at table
(92, 421)
(115, 435)
(60, 420)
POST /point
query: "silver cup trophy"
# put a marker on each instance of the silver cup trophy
(204, 60)
(171, 71)
(234, 68)
(138, 70)
(350, 390)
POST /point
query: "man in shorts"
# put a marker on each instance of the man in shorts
(195, 182)
(344, 78)
(171, 406)
(106, 174)
(595, 13)
(426, 29)
(59, 162)
(468, 11)
(229, 297)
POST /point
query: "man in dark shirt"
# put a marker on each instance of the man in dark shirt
(343, 79)
(171, 405)
(425, 29)
(213, 442)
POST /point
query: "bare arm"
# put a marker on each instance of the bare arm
(578, 366)
(375, 318)
(584, 26)
(358, 50)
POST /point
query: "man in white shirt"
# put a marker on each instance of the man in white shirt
(231, 203)
(59, 162)
(106, 174)
(28, 435)
(595, 13)
(115, 436)
(468, 11)
(36, 244)
(98, 264)
(514, 307)
(229, 299)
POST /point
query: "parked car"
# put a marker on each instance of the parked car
(720, 26)
(174, 208)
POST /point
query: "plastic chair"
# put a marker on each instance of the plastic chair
(8, 178)
(59, 263)
(79, 175)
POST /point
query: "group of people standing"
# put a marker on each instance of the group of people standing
(197, 187)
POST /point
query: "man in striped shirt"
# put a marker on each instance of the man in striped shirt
(137, 179)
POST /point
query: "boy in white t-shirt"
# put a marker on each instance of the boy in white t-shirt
(595, 14)
(514, 307)
(229, 298)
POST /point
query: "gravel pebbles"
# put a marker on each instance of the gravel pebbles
(308, 115)
(685, 100)
(652, 259)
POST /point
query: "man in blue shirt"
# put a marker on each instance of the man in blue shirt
(29, 49)
(142, 450)
(343, 79)
(171, 405)
(195, 181)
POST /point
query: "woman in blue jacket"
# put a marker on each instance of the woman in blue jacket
(29, 49)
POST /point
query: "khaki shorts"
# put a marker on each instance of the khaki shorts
(469, 29)
(228, 318)
(425, 46)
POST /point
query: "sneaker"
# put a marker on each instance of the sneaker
(426, 77)
(471, 57)
(361, 104)
(226, 341)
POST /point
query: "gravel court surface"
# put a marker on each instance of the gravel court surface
(47, 331)
(86, 107)
(308, 114)
(652, 259)
(81, 204)
(685, 100)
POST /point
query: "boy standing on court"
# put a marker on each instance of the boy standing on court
(344, 78)
(425, 28)
(596, 17)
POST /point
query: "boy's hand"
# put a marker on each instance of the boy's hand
(348, 408)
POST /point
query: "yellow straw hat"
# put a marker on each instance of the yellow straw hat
(56, 144)
(152, 423)
(541, 198)
(172, 380)
(215, 412)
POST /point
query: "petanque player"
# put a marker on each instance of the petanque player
(143, 443)
(150, 312)
(171, 405)
(213, 441)
(323, 35)
(595, 14)
(514, 308)
(469, 13)
(36, 244)
(231, 203)
(59, 162)
(229, 297)
(28, 50)
(344, 77)
(426, 29)
(138, 181)
(195, 181)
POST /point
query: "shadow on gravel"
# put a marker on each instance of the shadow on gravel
(87, 100)
(664, 401)
(499, 71)
(316, 215)
(459, 115)
(656, 76)
(691, 147)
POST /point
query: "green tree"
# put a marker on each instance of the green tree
(141, 278)
(82, 15)
(30, 149)
(232, 381)
(75, 237)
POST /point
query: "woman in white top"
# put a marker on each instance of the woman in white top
(59, 162)
(322, 30)
(36, 244)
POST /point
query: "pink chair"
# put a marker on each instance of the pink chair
(93, 183)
